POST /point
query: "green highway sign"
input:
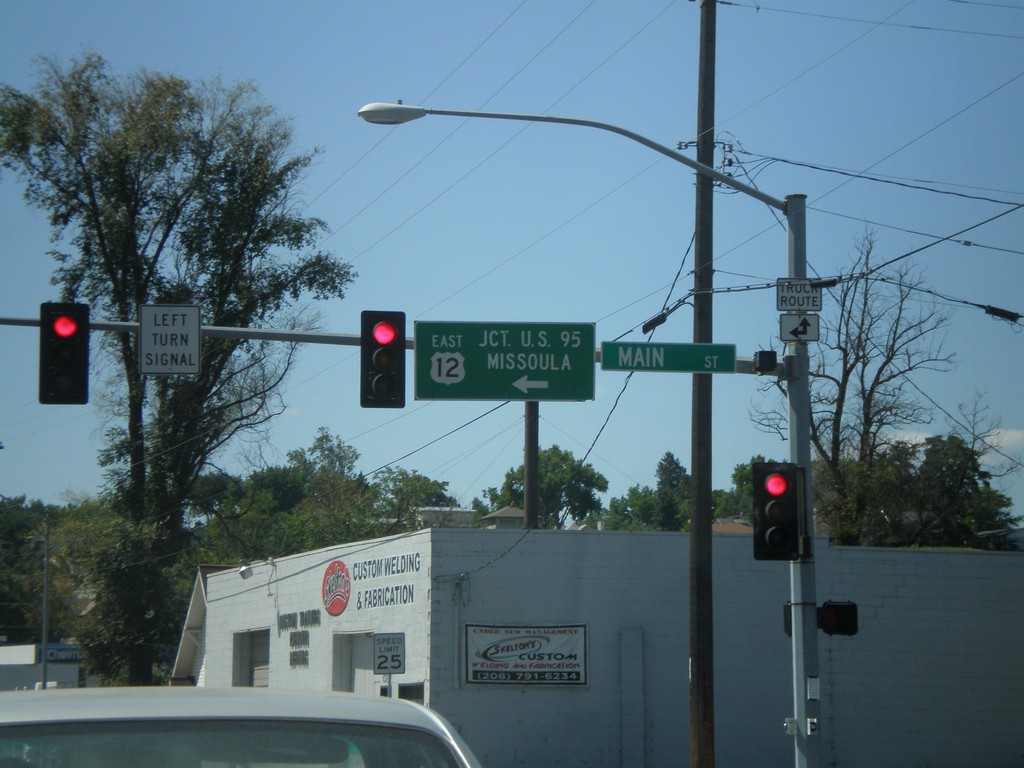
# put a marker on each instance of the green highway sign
(674, 358)
(504, 361)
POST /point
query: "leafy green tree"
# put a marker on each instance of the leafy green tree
(319, 498)
(22, 554)
(672, 494)
(738, 503)
(664, 508)
(337, 505)
(398, 493)
(171, 193)
(566, 489)
(636, 511)
(935, 493)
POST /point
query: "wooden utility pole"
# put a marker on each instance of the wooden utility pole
(702, 684)
(531, 452)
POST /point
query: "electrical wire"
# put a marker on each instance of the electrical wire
(757, 6)
(906, 184)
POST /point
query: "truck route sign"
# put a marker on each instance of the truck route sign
(797, 295)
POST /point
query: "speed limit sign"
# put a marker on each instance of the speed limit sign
(389, 653)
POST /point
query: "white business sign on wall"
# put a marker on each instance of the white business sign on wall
(515, 655)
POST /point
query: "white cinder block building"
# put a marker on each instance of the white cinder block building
(561, 648)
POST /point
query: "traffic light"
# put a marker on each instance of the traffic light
(382, 359)
(63, 354)
(835, 618)
(776, 511)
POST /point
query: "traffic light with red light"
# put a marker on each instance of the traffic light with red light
(63, 353)
(382, 359)
(776, 511)
(835, 618)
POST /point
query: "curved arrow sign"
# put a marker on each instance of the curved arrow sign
(798, 327)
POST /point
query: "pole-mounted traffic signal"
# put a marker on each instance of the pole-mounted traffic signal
(63, 353)
(382, 359)
(776, 511)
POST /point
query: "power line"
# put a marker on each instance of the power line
(944, 239)
(934, 128)
(965, 243)
(810, 68)
(892, 180)
(886, 23)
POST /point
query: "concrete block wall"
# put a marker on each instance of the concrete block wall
(935, 676)
(933, 679)
(620, 586)
(293, 586)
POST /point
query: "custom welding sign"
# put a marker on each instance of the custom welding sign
(504, 655)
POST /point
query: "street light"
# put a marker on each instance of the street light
(395, 114)
(802, 588)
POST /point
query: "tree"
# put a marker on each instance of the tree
(673, 494)
(739, 501)
(566, 489)
(317, 500)
(399, 493)
(170, 193)
(636, 511)
(935, 493)
(872, 485)
(23, 531)
(879, 336)
(665, 508)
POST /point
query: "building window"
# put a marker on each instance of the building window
(411, 692)
(252, 659)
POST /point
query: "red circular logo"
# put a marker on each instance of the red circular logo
(337, 588)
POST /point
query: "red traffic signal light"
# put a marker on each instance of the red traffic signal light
(382, 359)
(384, 332)
(65, 326)
(776, 511)
(776, 484)
(63, 353)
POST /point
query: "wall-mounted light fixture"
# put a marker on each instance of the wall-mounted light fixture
(245, 571)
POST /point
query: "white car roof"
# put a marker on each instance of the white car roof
(84, 704)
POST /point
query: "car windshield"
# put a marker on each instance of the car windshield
(220, 744)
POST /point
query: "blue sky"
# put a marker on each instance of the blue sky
(479, 220)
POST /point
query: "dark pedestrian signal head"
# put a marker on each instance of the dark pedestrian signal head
(838, 618)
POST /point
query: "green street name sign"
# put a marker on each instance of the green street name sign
(504, 361)
(673, 358)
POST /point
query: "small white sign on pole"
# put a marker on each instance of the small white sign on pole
(793, 294)
(798, 328)
(169, 339)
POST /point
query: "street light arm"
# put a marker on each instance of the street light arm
(396, 114)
